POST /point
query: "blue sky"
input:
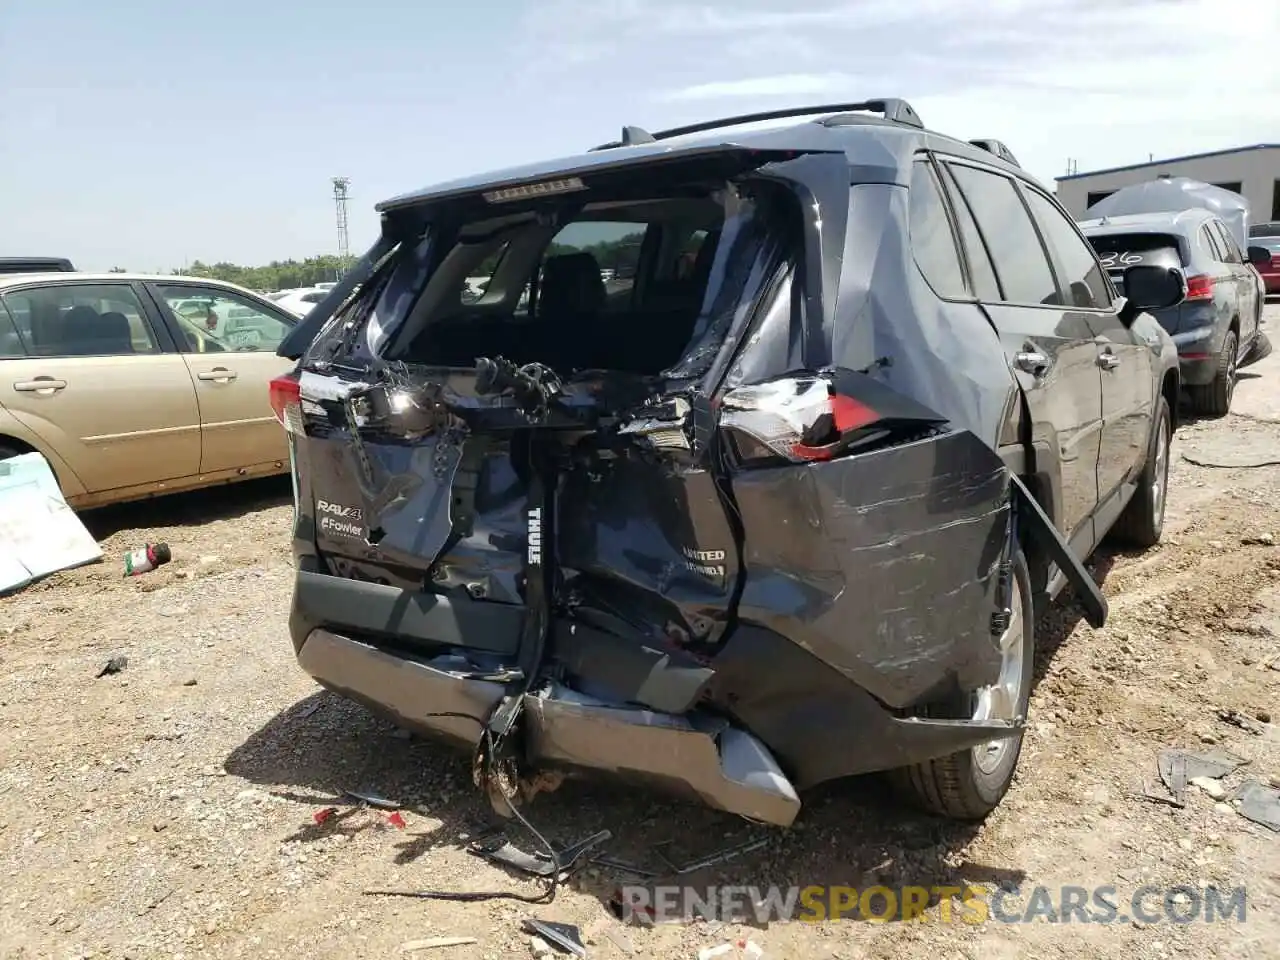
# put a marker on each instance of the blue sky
(147, 134)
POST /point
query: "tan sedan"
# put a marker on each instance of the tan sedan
(133, 386)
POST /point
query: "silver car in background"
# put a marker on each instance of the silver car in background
(1217, 326)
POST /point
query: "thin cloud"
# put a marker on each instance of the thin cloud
(786, 84)
(1094, 80)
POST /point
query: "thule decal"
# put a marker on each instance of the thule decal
(535, 537)
(338, 510)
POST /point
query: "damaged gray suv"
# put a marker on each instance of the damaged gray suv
(733, 461)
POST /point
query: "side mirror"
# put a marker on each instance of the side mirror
(1154, 288)
(1260, 256)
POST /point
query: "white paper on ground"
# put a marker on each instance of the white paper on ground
(39, 533)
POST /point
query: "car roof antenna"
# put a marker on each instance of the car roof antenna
(631, 136)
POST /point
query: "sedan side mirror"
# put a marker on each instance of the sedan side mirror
(1153, 288)
(1260, 257)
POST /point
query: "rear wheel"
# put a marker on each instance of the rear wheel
(1214, 398)
(969, 784)
(6, 451)
(1142, 522)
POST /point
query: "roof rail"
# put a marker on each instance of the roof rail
(998, 148)
(892, 108)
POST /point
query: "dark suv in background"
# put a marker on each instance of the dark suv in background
(35, 265)
(1217, 325)
(775, 503)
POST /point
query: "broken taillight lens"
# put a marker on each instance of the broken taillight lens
(808, 417)
(286, 401)
(798, 418)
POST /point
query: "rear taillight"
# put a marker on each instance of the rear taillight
(816, 417)
(286, 401)
(1199, 288)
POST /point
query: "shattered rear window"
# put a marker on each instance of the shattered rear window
(644, 285)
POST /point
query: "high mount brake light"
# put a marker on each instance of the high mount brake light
(797, 418)
(285, 393)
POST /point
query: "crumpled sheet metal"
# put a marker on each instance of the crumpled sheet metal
(897, 591)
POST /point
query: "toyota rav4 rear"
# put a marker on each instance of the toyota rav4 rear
(589, 478)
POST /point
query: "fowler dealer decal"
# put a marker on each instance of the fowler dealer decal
(535, 537)
(339, 520)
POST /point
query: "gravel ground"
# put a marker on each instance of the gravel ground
(168, 810)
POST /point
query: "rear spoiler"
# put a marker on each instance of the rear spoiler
(566, 175)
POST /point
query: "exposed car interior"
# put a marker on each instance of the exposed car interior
(618, 286)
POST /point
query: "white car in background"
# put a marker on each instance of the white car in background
(303, 301)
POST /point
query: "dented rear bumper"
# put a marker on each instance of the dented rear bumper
(700, 755)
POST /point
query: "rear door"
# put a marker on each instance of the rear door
(1246, 284)
(1050, 348)
(1128, 374)
(229, 344)
(101, 385)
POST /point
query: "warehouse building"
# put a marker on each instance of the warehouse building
(1252, 171)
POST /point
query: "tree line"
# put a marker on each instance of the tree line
(276, 275)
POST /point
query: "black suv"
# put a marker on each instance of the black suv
(35, 265)
(747, 468)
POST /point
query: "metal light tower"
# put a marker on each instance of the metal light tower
(340, 185)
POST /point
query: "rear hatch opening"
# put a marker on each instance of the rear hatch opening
(514, 341)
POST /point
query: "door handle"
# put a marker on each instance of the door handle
(217, 374)
(1108, 360)
(40, 385)
(1032, 362)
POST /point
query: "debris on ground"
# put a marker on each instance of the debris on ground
(501, 850)
(1210, 786)
(723, 855)
(39, 533)
(146, 558)
(563, 935)
(1259, 803)
(113, 666)
(1215, 764)
(1238, 719)
(372, 800)
(410, 946)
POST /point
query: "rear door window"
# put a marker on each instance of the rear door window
(1227, 243)
(932, 242)
(1082, 281)
(1212, 244)
(615, 250)
(84, 320)
(1019, 257)
(212, 320)
(981, 273)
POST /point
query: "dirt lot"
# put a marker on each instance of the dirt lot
(167, 811)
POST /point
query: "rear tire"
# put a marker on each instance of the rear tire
(1142, 522)
(1214, 398)
(969, 784)
(7, 452)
